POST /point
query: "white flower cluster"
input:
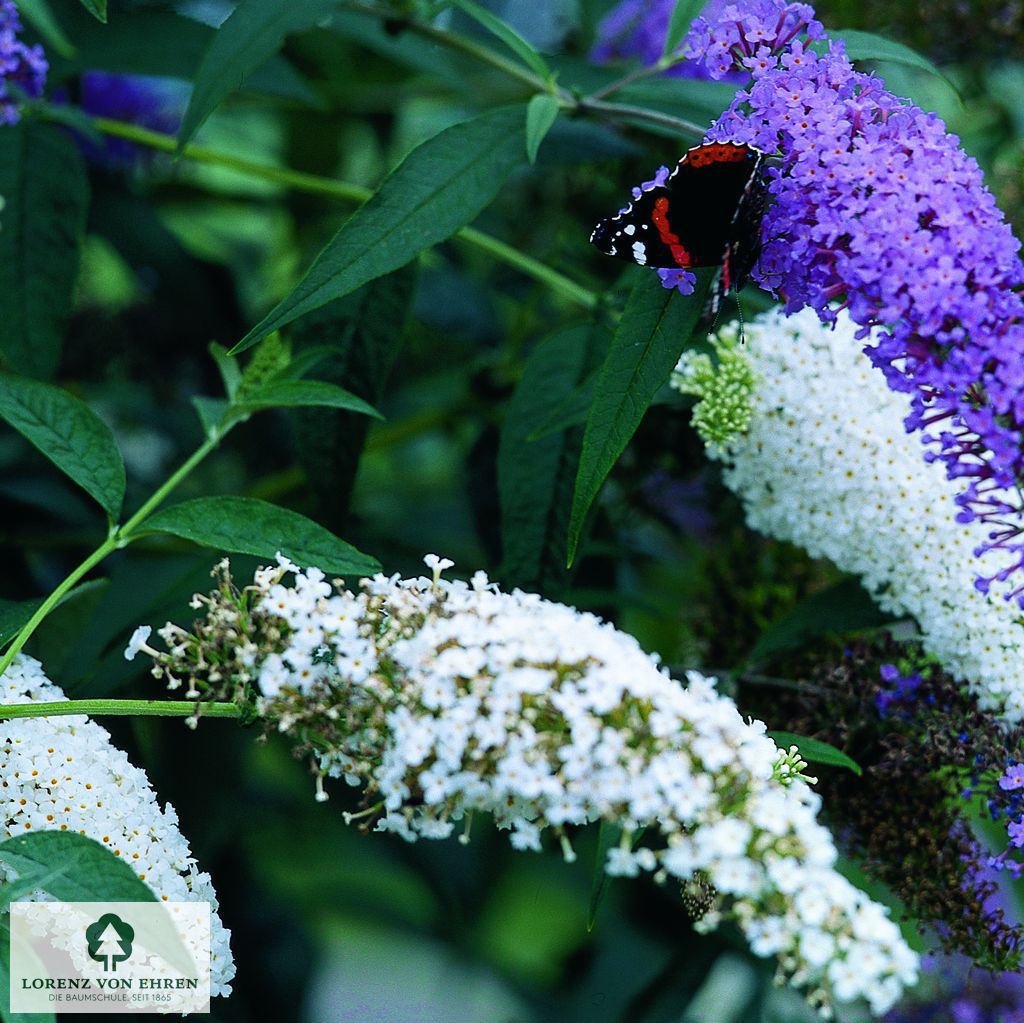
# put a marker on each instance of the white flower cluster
(825, 463)
(63, 774)
(446, 698)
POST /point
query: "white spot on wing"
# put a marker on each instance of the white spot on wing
(629, 229)
(640, 252)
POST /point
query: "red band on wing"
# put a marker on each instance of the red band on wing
(716, 152)
(659, 217)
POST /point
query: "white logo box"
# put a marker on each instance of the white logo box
(110, 957)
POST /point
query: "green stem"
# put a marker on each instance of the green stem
(531, 267)
(107, 547)
(628, 112)
(119, 537)
(458, 43)
(124, 534)
(346, 192)
(120, 708)
(298, 180)
(594, 104)
(636, 75)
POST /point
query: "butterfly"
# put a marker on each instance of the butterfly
(708, 212)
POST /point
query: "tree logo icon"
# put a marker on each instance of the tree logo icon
(110, 941)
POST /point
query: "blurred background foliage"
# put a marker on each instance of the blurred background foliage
(331, 924)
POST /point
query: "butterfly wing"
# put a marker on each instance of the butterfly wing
(688, 221)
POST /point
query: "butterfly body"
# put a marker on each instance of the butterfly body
(707, 212)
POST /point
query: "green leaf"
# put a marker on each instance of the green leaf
(254, 31)
(842, 607)
(654, 330)
(299, 393)
(441, 186)
(535, 477)
(46, 193)
(227, 366)
(267, 363)
(79, 869)
(244, 525)
(97, 8)
(868, 46)
(211, 412)
(814, 751)
(353, 341)
(74, 868)
(39, 14)
(14, 614)
(540, 116)
(5, 985)
(608, 835)
(679, 24)
(69, 433)
(571, 411)
(509, 36)
(306, 360)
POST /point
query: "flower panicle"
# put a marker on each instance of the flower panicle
(824, 462)
(441, 699)
(22, 68)
(875, 209)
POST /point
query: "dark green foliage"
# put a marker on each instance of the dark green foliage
(445, 366)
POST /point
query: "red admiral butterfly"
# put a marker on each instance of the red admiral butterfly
(707, 213)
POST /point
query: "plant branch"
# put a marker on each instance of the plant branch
(636, 75)
(120, 536)
(120, 708)
(593, 104)
(453, 41)
(346, 192)
(628, 112)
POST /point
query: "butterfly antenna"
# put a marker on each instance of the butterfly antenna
(739, 312)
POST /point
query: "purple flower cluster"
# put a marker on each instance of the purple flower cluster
(899, 694)
(876, 209)
(22, 68)
(1007, 803)
(959, 994)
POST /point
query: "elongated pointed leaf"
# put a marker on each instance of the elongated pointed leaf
(654, 330)
(69, 433)
(361, 335)
(572, 410)
(679, 24)
(15, 613)
(299, 393)
(244, 525)
(41, 17)
(814, 751)
(97, 8)
(79, 868)
(844, 607)
(46, 194)
(13, 616)
(75, 868)
(254, 31)
(535, 477)
(868, 46)
(508, 35)
(441, 186)
(540, 116)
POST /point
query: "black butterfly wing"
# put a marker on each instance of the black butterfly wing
(688, 221)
